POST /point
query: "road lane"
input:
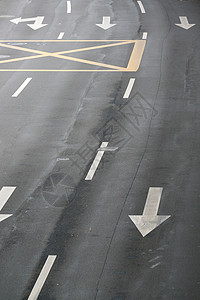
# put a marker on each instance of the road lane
(100, 254)
(36, 130)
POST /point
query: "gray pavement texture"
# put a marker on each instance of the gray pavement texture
(49, 136)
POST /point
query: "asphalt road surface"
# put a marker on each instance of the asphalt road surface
(99, 150)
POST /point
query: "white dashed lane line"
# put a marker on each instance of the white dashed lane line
(22, 87)
(129, 88)
(144, 36)
(61, 36)
(42, 277)
(96, 161)
(69, 7)
(141, 7)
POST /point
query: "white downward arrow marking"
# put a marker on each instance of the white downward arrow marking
(150, 220)
(184, 23)
(106, 23)
(37, 25)
(5, 194)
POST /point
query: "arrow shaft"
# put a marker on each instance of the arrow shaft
(184, 21)
(28, 20)
(5, 194)
(106, 20)
(153, 201)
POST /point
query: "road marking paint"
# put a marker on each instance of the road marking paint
(96, 162)
(184, 23)
(22, 87)
(106, 23)
(69, 7)
(108, 149)
(5, 194)
(62, 159)
(133, 65)
(6, 16)
(69, 41)
(150, 219)
(129, 88)
(61, 36)
(144, 36)
(141, 7)
(58, 54)
(136, 56)
(42, 277)
(37, 24)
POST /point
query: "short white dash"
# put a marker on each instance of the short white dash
(96, 162)
(144, 37)
(22, 87)
(69, 7)
(129, 88)
(156, 265)
(61, 36)
(42, 277)
(7, 16)
(141, 7)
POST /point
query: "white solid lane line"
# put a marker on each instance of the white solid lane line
(96, 161)
(61, 36)
(42, 277)
(141, 7)
(144, 36)
(69, 7)
(22, 87)
(5, 194)
(129, 88)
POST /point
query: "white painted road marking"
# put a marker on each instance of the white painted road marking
(37, 25)
(144, 36)
(96, 162)
(69, 7)
(150, 220)
(5, 194)
(6, 16)
(184, 23)
(105, 23)
(108, 149)
(141, 7)
(129, 88)
(42, 277)
(61, 36)
(22, 87)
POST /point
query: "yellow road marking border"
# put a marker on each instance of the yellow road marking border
(133, 65)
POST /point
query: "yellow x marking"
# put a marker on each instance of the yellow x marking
(133, 64)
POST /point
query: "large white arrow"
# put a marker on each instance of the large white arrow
(184, 23)
(36, 25)
(106, 23)
(150, 220)
(5, 194)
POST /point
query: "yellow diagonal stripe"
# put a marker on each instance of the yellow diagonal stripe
(133, 64)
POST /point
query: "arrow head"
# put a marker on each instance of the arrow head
(105, 26)
(36, 26)
(4, 217)
(146, 224)
(16, 21)
(185, 26)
